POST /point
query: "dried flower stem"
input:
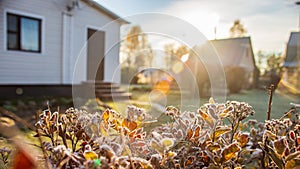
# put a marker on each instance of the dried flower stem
(47, 165)
(271, 91)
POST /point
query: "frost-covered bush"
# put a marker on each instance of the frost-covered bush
(217, 135)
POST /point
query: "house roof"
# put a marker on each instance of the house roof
(291, 50)
(106, 11)
(235, 52)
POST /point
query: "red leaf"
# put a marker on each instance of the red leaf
(23, 160)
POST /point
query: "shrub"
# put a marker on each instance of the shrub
(216, 136)
(236, 77)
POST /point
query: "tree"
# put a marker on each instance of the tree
(237, 29)
(169, 53)
(137, 52)
(274, 62)
(173, 53)
(270, 65)
(135, 39)
(261, 60)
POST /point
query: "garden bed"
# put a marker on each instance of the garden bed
(217, 135)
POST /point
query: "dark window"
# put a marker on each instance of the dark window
(23, 33)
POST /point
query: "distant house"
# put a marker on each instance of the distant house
(291, 55)
(291, 62)
(42, 41)
(236, 52)
(235, 55)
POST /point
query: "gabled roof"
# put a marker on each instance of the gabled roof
(106, 11)
(235, 52)
(291, 50)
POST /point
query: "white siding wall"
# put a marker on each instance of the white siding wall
(49, 67)
(112, 63)
(85, 18)
(33, 68)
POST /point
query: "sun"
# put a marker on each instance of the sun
(204, 21)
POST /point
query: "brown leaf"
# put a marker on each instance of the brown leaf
(214, 147)
(293, 156)
(157, 147)
(274, 156)
(279, 145)
(293, 164)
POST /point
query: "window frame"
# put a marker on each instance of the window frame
(41, 29)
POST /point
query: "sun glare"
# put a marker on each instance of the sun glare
(185, 57)
(205, 21)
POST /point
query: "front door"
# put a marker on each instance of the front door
(95, 55)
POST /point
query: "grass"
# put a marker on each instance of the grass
(258, 99)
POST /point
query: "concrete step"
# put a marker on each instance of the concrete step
(107, 90)
(115, 96)
(97, 82)
(113, 90)
(101, 86)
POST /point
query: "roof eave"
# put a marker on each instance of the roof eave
(106, 11)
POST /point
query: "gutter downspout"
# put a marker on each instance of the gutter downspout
(67, 59)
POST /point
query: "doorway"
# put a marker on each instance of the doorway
(95, 54)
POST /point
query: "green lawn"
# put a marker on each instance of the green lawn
(258, 99)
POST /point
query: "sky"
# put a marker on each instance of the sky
(268, 22)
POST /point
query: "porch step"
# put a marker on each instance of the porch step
(107, 90)
(112, 90)
(115, 96)
(101, 85)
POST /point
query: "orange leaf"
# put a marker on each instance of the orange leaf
(131, 125)
(227, 111)
(230, 151)
(189, 161)
(207, 118)
(197, 132)
(243, 139)
(132, 133)
(105, 116)
(189, 134)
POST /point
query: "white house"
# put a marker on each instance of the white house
(43, 40)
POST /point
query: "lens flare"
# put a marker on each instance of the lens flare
(162, 86)
(177, 67)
